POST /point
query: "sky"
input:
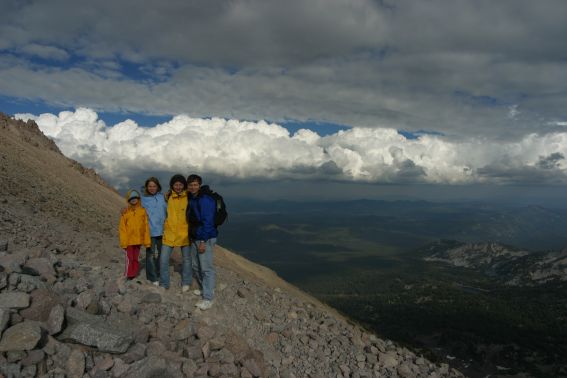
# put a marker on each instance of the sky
(436, 99)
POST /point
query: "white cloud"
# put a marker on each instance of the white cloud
(259, 150)
(45, 52)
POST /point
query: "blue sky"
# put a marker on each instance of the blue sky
(476, 90)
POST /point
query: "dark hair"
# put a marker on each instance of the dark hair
(194, 177)
(178, 178)
(155, 181)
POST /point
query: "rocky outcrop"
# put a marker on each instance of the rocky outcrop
(507, 264)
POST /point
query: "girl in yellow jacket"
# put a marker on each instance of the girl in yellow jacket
(134, 232)
(176, 233)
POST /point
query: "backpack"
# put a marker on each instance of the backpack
(220, 211)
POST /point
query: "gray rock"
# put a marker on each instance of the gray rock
(104, 364)
(254, 364)
(205, 333)
(120, 368)
(151, 367)
(42, 301)
(4, 319)
(34, 357)
(75, 366)
(135, 353)
(151, 298)
(12, 263)
(183, 330)
(29, 371)
(22, 336)
(56, 319)
(42, 266)
(14, 300)
(14, 356)
(3, 245)
(155, 348)
(96, 331)
(3, 280)
(11, 370)
(389, 359)
(30, 283)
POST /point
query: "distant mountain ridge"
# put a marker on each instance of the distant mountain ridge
(513, 266)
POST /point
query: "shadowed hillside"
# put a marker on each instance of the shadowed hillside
(66, 311)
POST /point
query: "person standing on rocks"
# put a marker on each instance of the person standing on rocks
(175, 233)
(201, 216)
(134, 231)
(154, 202)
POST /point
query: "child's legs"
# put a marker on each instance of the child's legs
(208, 270)
(132, 264)
(195, 264)
(164, 265)
(152, 259)
(186, 268)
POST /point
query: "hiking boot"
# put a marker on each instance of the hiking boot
(185, 288)
(197, 292)
(155, 283)
(204, 304)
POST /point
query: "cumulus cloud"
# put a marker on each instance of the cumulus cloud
(239, 150)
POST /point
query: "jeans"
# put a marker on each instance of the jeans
(204, 269)
(152, 259)
(186, 275)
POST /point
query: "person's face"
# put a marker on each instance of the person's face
(133, 201)
(178, 187)
(193, 187)
(152, 187)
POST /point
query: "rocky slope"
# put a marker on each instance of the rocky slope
(512, 266)
(66, 311)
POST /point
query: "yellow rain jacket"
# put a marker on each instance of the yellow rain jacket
(176, 229)
(134, 227)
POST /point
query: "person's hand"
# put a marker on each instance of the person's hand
(202, 247)
(123, 210)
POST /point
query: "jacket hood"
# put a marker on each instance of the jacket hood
(132, 194)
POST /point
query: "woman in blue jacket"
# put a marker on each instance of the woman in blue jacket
(154, 202)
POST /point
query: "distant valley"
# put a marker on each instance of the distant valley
(479, 286)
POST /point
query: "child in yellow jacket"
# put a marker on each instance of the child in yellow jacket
(134, 232)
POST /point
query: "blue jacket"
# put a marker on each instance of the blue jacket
(203, 208)
(156, 208)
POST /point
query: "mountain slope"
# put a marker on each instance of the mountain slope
(65, 309)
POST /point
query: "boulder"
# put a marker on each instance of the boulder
(93, 330)
(56, 319)
(22, 336)
(42, 266)
(14, 300)
(42, 301)
(152, 367)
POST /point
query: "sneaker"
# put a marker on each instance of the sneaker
(204, 304)
(197, 292)
(155, 283)
(185, 288)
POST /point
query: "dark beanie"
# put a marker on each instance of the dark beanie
(178, 178)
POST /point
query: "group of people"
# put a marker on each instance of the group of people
(184, 217)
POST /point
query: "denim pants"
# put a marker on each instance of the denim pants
(186, 275)
(204, 269)
(152, 259)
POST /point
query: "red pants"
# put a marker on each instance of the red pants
(132, 264)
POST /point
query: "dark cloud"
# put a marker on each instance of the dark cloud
(454, 66)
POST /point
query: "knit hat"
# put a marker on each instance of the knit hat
(132, 194)
(178, 178)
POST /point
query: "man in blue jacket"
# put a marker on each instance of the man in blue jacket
(201, 219)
